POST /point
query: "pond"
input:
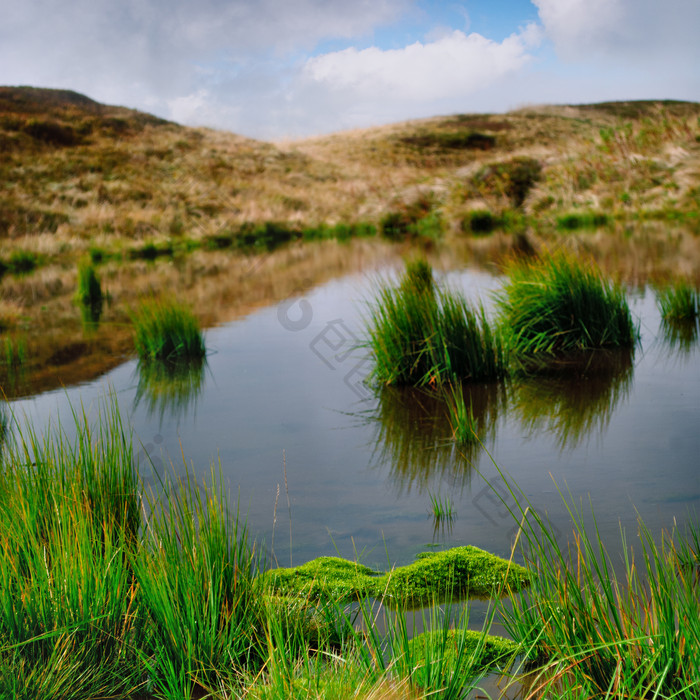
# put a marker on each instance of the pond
(320, 464)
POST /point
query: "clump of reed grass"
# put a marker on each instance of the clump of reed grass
(22, 261)
(421, 335)
(89, 296)
(196, 573)
(151, 251)
(460, 416)
(679, 302)
(571, 222)
(69, 519)
(559, 306)
(167, 330)
(593, 627)
(480, 222)
(441, 508)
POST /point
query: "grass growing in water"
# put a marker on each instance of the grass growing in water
(592, 627)
(421, 335)
(560, 306)
(167, 330)
(89, 296)
(14, 352)
(460, 416)
(441, 508)
(107, 591)
(679, 303)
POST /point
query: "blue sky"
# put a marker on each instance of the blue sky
(276, 69)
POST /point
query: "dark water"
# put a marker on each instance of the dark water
(282, 406)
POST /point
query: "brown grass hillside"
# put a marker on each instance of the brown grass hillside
(229, 222)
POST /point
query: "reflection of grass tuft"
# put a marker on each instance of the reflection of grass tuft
(413, 433)
(167, 330)
(169, 387)
(572, 400)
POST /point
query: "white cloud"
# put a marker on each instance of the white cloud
(244, 65)
(453, 66)
(123, 47)
(646, 30)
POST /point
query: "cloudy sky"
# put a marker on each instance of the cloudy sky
(284, 68)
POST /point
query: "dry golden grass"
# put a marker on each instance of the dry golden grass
(86, 179)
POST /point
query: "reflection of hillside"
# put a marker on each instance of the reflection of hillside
(413, 434)
(170, 388)
(575, 399)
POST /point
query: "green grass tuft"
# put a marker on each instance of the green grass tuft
(571, 222)
(441, 508)
(679, 302)
(23, 261)
(14, 352)
(167, 330)
(560, 306)
(420, 335)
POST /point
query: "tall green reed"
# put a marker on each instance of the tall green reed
(69, 518)
(590, 627)
(196, 572)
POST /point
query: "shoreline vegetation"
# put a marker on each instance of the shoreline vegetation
(95, 193)
(112, 589)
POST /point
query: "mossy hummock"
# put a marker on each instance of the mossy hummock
(460, 572)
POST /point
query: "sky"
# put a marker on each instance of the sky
(278, 69)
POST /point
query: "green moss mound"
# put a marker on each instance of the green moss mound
(462, 647)
(461, 572)
(325, 577)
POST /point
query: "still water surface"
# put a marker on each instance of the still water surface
(282, 406)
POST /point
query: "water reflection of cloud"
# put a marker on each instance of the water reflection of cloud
(574, 399)
(414, 437)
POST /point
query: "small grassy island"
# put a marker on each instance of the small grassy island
(460, 572)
